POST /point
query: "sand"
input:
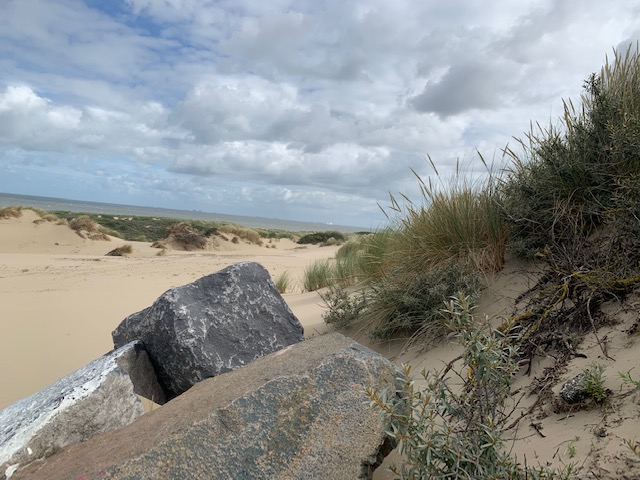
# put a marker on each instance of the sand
(61, 298)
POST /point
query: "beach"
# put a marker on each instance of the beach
(62, 297)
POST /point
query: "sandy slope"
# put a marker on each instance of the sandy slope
(61, 298)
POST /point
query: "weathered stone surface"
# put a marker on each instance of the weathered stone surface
(298, 413)
(94, 399)
(573, 390)
(214, 325)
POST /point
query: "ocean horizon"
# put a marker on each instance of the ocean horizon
(78, 206)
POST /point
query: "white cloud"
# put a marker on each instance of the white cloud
(305, 108)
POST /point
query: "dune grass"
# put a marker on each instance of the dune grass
(564, 185)
(11, 211)
(438, 247)
(284, 282)
(319, 274)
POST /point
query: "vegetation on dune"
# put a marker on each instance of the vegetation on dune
(437, 248)
(123, 251)
(283, 282)
(11, 212)
(85, 227)
(570, 199)
(153, 229)
(330, 238)
(452, 432)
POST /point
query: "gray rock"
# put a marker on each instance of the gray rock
(300, 413)
(94, 399)
(214, 325)
(573, 391)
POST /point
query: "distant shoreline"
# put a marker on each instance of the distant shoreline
(53, 203)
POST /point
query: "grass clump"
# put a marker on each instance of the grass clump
(85, 227)
(123, 251)
(11, 211)
(439, 247)
(284, 282)
(186, 236)
(319, 274)
(459, 220)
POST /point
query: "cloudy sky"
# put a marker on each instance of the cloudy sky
(297, 109)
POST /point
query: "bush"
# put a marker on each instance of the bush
(448, 432)
(567, 181)
(344, 310)
(245, 233)
(404, 306)
(321, 237)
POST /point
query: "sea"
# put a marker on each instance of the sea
(76, 206)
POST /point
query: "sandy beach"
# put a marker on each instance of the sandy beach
(61, 298)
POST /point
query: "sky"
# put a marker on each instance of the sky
(311, 110)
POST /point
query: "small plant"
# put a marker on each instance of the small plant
(318, 275)
(571, 446)
(626, 378)
(123, 251)
(633, 446)
(343, 309)
(283, 282)
(593, 382)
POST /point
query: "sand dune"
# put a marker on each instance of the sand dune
(61, 298)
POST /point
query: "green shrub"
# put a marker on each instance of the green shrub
(320, 237)
(400, 305)
(344, 310)
(449, 432)
(593, 382)
(566, 181)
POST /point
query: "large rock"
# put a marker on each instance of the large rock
(214, 325)
(94, 399)
(298, 413)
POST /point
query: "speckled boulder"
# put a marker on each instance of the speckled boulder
(298, 413)
(214, 325)
(97, 398)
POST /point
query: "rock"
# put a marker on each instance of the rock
(573, 391)
(94, 399)
(214, 325)
(298, 413)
